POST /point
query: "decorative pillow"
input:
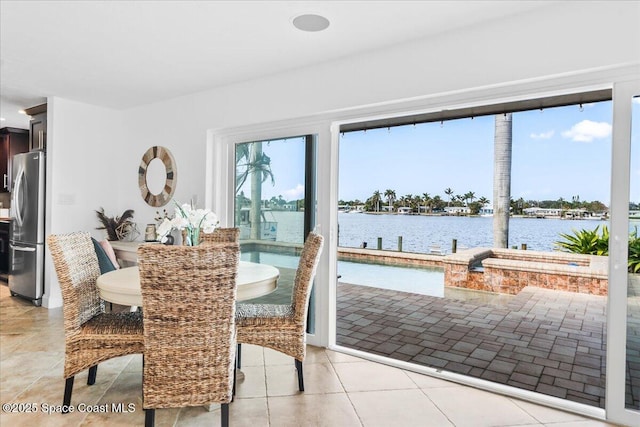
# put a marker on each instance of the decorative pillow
(103, 260)
(108, 249)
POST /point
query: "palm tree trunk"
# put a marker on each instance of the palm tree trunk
(256, 191)
(502, 179)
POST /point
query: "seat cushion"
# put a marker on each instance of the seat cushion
(114, 325)
(263, 314)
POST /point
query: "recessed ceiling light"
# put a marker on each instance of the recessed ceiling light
(2, 119)
(311, 22)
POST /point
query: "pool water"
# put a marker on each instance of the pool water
(418, 280)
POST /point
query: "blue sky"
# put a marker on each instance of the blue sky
(287, 164)
(557, 152)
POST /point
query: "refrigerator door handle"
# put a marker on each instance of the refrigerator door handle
(16, 197)
(21, 248)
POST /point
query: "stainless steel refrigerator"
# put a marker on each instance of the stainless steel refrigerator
(26, 240)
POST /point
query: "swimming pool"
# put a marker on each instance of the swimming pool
(418, 280)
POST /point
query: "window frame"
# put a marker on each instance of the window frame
(220, 189)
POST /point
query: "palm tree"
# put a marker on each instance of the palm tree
(437, 202)
(415, 203)
(449, 192)
(390, 195)
(427, 202)
(375, 200)
(575, 201)
(469, 196)
(502, 179)
(517, 206)
(252, 162)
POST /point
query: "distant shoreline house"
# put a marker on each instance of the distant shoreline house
(580, 213)
(457, 210)
(577, 213)
(537, 212)
(486, 210)
(351, 209)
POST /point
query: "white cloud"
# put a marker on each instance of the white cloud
(587, 131)
(294, 193)
(542, 135)
(636, 99)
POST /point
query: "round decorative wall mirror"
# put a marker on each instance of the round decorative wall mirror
(157, 176)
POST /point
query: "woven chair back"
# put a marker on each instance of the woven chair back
(76, 265)
(231, 234)
(188, 300)
(305, 273)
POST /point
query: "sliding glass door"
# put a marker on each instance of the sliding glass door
(425, 280)
(275, 204)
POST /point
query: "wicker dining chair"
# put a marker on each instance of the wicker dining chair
(282, 327)
(188, 299)
(231, 234)
(91, 335)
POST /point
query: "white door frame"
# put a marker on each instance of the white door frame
(618, 250)
(220, 197)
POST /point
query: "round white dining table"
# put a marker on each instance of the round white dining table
(122, 286)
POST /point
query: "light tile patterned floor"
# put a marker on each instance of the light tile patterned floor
(341, 390)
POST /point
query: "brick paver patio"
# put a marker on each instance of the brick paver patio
(551, 342)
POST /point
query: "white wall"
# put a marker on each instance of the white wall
(564, 38)
(166, 128)
(568, 37)
(84, 148)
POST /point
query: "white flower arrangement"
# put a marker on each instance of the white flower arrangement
(186, 217)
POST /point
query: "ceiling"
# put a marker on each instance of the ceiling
(121, 54)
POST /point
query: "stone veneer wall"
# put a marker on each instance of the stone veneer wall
(509, 271)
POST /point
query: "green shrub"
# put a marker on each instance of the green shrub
(634, 252)
(591, 242)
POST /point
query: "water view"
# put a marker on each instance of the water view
(421, 232)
